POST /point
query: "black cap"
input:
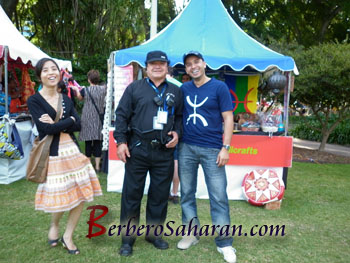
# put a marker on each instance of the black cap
(156, 55)
(192, 53)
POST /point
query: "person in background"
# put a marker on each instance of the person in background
(185, 77)
(71, 179)
(148, 125)
(3, 100)
(15, 93)
(91, 120)
(62, 88)
(207, 103)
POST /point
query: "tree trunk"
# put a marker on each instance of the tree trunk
(326, 22)
(325, 136)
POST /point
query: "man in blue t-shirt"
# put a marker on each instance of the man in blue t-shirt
(207, 116)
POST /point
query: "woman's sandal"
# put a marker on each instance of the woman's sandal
(73, 251)
(53, 242)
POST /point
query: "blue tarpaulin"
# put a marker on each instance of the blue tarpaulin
(206, 26)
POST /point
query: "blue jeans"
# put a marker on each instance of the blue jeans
(190, 156)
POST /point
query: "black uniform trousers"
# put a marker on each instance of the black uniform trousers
(159, 162)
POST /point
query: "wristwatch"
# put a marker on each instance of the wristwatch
(226, 146)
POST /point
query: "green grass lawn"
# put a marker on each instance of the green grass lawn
(315, 212)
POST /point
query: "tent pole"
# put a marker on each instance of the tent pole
(6, 80)
(154, 8)
(109, 102)
(286, 103)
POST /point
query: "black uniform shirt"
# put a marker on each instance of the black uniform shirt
(137, 108)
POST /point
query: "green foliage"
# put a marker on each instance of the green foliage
(307, 22)
(86, 32)
(324, 84)
(324, 80)
(75, 29)
(341, 134)
(86, 63)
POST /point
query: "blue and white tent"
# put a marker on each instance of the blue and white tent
(206, 26)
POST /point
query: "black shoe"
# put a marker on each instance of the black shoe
(175, 199)
(70, 251)
(125, 250)
(53, 242)
(158, 242)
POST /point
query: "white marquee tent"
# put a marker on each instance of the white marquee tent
(19, 46)
(16, 49)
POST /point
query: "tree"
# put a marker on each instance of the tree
(73, 29)
(309, 22)
(324, 84)
(9, 7)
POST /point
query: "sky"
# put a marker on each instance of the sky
(179, 3)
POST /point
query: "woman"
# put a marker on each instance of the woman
(71, 179)
(91, 123)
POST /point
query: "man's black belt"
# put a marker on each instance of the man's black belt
(155, 143)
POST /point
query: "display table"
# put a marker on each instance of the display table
(13, 170)
(247, 153)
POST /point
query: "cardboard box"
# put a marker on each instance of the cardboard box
(273, 205)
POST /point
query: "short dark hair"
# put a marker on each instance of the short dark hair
(94, 76)
(39, 66)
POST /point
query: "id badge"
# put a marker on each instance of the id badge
(162, 116)
(156, 124)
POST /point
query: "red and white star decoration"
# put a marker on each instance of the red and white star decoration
(262, 186)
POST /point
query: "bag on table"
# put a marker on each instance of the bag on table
(38, 163)
(10, 146)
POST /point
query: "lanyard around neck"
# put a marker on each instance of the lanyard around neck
(159, 94)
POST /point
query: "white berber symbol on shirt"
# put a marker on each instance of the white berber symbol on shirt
(195, 114)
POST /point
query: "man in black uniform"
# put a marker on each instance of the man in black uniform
(148, 125)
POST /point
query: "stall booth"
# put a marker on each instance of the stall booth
(239, 60)
(17, 56)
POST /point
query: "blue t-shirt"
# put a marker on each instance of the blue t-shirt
(202, 119)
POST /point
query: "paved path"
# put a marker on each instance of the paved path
(331, 148)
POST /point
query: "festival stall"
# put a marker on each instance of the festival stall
(17, 55)
(258, 158)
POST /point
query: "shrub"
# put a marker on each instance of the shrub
(341, 134)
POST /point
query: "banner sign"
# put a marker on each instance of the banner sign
(247, 150)
(123, 76)
(258, 152)
(275, 151)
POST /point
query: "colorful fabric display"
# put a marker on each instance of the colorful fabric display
(3, 103)
(27, 86)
